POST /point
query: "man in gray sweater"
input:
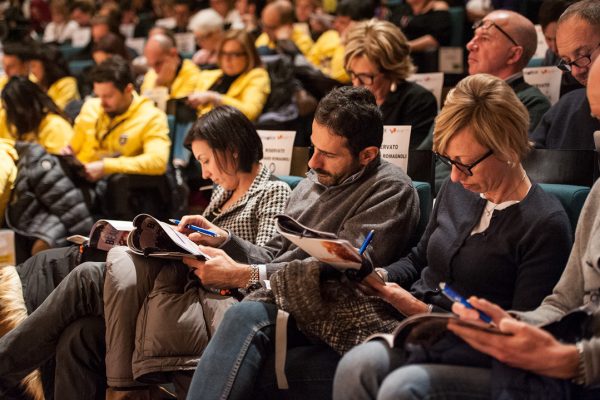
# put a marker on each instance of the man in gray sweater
(348, 191)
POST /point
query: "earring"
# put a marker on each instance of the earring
(393, 87)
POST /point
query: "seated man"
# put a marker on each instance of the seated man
(349, 186)
(568, 124)
(278, 28)
(167, 69)
(119, 131)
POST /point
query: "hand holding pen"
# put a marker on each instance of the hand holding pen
(200, 230)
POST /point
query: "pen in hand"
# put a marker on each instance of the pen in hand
(196, 228)
(366, 242)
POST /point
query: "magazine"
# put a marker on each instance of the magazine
(151, 237)
(105, 234)
(427, 329)
(325, 247)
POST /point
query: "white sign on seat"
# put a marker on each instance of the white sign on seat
(451, 60)
(546, 79)
(542, 46)
(136, 44)
(81, 37)
(394, 147)
(432, 82)
(186, 43)
(277, 150)
(159, 95)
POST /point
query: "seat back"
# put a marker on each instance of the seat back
(421, 166)
(457, 22)
(425, 206)
(569, 167)
(291, 180)
(571, 197)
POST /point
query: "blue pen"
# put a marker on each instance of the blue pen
(366, 242)
(452, 295)
(196, 228)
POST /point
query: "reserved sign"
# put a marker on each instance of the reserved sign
(277, 150)
(394, 147)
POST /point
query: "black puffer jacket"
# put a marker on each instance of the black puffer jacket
(45, 203)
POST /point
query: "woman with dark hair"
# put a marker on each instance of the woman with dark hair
(52, 74)
(109, 45)
(244, 201)
(32, 116)
(240, 81)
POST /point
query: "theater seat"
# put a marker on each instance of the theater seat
(571, 197)
(291, 180)
(425, 206)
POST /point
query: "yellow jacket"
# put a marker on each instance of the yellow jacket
(248, 93)
(184, 82)
(327, 54)
(299, 36)
(8, 172)
(63, 91)
(54, 132)
(135, 142)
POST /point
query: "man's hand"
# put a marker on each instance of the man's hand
(220, 272)
(527, 347)
(197, 99)
(199, 238)
(168, 71)
(94, 170)
(394, 294)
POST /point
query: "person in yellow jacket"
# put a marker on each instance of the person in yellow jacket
(119, 131)
(30, 115)
(277, 21)
(167, 69)
(240, 82)
(52, 74)
(15, 61)
(8, 172)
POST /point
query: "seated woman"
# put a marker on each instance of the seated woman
(52, 74)
(240, 82)
(244, 201)
(492, 233)
(426, 24)
(377, 57)
(32, 116)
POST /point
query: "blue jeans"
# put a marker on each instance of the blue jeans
(238, 362)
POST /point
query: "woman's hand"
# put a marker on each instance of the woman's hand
(197, 99)
(221, 271)
(200, 238)
(397, 296)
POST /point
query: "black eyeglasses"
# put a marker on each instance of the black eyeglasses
(364, 79)
(580, 62)
(487, 24)
(464, 168)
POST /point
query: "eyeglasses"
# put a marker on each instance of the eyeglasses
(580, 62)
(364, 79)
(464, 168)
(232, 54)
(487, 24)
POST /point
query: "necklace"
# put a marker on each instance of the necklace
(489, 211)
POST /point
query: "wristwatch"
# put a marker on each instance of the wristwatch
(579, 379)
(254, 275)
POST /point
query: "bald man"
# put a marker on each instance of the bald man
(568, 124)
(167, 69)
(277, 21)
(502, 45)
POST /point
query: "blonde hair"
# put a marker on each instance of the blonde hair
(491, 110)
(245, 40)
(383, 44)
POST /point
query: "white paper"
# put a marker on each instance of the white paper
(394, 148)
(546, 79)
(159, 95)
(450, 60)
(542, 46)
(432, 82)
(277, 150)
(186, 43)
(81, 37)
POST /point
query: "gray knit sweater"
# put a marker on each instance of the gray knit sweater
(379, 197)
(579, 284)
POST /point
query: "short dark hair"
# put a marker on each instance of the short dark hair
(114, 69)
(357, 10)
(112, 44)
(26, 105)
(352, 112)
(227, 131)
(85, 6)
(551, 10)
(24, 51)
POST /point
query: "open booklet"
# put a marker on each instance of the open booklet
(427, 328)
(151, 237)
(105, 234)
(325, 247)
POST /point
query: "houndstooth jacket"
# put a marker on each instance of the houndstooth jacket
(251, 217)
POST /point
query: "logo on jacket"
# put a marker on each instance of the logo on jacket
(123, 139)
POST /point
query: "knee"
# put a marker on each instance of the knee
(89, 272)
(251, 314)
(410, 383)
(361, 361)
